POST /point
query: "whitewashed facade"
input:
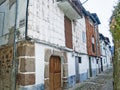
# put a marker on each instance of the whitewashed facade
(79, 44)
(46, 25)
(105, 54)
(43, 24)
(108, 56)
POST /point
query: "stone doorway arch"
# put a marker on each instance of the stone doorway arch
(64, 67)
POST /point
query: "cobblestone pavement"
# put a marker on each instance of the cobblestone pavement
(102, 81)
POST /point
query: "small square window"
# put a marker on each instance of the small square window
(79, 60)
(84, 37)
(96, 61)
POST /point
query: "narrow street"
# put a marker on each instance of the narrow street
(102, 81)
(59, 44)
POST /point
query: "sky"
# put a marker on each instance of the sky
(103, 8)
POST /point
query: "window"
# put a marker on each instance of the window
(93, 40)
(84, 37)
(68, 33)
(96, 61)
(93, 46)
(79, 60)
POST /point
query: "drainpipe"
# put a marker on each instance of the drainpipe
(14, 62)
(26, 28)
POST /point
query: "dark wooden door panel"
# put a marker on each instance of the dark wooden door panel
(51, 81)
(55, 73)
(57, 80)
(68, 33)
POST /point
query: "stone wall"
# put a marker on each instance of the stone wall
(46, 22)
(64, 68)
(26, 67)
(6, 55)
(79, 27)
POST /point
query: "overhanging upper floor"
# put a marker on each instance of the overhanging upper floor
(71, 8)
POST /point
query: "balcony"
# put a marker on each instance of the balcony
(71, 8)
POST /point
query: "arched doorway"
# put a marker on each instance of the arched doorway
(55, 73)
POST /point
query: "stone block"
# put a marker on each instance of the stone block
(26, 50)
(65, 84)
(27, 65)
(26, 79)
(46, 71)
(48, 53)
(57, 53)
(11, 53)
(1, 85)
(6, 83)
(65, 57)
(46, 84)
(65, 70)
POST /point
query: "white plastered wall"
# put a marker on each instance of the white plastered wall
(46, 22)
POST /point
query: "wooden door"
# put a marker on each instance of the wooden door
(90, 67)
(55, 73)
(68, 33)
(101, 65)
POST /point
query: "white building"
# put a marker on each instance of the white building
(46, 42)
(50, 43)
(105, 53)
(80, 49)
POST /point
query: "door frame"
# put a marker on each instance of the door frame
(54, 70)
(64, 66)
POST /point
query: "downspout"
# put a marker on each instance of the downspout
(14, 62)
(26, 28)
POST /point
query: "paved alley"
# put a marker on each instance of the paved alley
(102, 81)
